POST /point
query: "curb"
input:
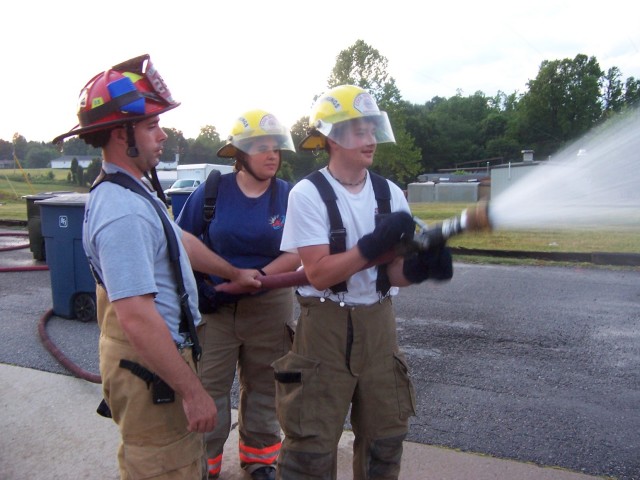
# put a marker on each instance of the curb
(13, 223)
(597, 258)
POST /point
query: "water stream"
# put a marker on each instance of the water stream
(594, 183)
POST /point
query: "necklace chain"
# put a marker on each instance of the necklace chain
(347, 184)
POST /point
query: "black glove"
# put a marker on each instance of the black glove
(434, 263)
(390, 229)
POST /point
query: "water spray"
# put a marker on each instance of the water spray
(472, 219)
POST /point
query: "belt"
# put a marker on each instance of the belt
(184, 345)
(344, 304)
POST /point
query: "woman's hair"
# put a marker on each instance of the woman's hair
(241, 157)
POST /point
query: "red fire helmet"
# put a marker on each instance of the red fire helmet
(128, 92)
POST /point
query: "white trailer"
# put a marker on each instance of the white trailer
(200, 171)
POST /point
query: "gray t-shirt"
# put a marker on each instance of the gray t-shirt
(126, 244)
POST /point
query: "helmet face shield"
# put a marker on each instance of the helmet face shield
(263, 143)
(360, 132)
(141, 67)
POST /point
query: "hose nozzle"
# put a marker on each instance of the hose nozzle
(472, 219)
(477, 217)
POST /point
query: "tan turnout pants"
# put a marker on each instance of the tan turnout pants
(155, 442)
(248, 335)
(343, 357)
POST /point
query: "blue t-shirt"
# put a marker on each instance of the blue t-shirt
(245, 231)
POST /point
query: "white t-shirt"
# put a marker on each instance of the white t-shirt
(307, 224)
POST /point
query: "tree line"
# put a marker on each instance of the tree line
(567, 98)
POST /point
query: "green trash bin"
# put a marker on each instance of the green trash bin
(72, 284)
(36, 240)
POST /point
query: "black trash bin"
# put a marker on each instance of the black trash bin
(72, 285)
(36, 240)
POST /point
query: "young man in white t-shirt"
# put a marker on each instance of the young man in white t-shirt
(345, 352)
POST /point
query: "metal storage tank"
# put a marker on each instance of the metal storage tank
(457, 192)
(421, 192)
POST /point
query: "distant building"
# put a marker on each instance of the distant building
(65, 161)
(167, 165)
(449, 187)
(85, 160)
(7, 163)
(503, 176)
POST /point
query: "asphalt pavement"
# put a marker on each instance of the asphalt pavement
(50, 431)
(50, 428)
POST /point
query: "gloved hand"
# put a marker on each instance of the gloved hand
(390, 230)
(434, 263)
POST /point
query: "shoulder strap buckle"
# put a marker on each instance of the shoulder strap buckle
(210, 195)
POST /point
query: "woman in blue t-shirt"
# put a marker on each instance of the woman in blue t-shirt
(250, 330)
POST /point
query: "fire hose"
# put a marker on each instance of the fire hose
(51, 347)
(59, 355)
(13, 247)
(18, 247)
(472, 219)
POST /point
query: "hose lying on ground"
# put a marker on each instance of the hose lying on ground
(29, 268)
(42, 324)
(13, 247)
(59, 355)
(18, 247)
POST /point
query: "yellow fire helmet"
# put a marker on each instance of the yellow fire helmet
(342, 104)
(251, 125)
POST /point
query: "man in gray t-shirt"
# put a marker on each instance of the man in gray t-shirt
(149, 372)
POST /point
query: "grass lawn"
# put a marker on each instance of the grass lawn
(13, 188)
(579, 240)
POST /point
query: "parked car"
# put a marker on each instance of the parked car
(179, 185)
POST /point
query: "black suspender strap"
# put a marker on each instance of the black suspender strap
(382, 192)
(337, 232)
(187, 324)
(383, 196)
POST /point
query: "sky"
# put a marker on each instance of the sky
(221, 58)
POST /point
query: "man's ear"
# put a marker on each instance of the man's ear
(330, 145)
(119, 134)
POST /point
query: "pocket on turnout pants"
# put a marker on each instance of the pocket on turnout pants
(297, 383)
(404, 387)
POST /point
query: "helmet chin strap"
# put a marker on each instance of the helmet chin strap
(132, 150)
(152, 176)
(249, 170)
(272, 183)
